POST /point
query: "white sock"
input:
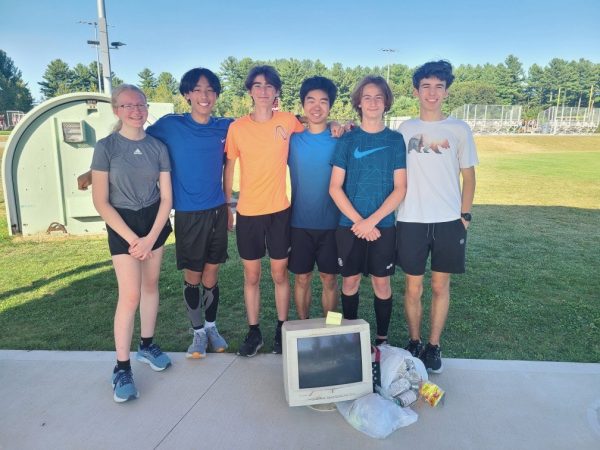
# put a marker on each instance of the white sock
(209, 324)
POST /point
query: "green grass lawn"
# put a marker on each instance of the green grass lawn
(531, 290)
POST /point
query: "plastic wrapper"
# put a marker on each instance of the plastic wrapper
(431, 393)
(376, 416)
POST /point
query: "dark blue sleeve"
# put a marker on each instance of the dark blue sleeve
(400, 149)
(340, 155)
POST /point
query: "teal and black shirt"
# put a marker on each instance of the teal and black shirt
(369, 160)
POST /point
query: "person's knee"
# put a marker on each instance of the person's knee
(303, 280)
(329, 281)
(129, 299)
(251, 277)
(351, 284)
(381, 287)
(279, 275)
(440, 288)
(414, 291)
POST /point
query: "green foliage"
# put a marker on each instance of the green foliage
(58, 79)
(404, 106)
(504, 83)
(471, 92)
(14, 93)
(147, 81)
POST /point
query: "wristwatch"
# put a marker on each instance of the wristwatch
(466, 216)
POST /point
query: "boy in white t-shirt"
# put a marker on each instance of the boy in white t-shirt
(434, 216)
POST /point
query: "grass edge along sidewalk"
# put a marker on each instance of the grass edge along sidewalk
(530, 291)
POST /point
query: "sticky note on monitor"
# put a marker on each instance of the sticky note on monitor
(333, 318)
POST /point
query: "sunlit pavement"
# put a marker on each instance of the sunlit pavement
(64, 400)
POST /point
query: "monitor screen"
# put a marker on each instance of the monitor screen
(329, 360)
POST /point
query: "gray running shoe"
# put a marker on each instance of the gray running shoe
(216, 342)
(197, 348)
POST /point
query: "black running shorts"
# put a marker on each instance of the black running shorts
(267, 232)
(310, 247)
(201, 238)
(140, 222)
(446, 241)
(357, 255)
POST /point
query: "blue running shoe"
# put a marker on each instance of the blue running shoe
(153, 356)
(123, 386)
(216, 342)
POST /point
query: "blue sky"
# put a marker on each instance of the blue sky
(178, 35)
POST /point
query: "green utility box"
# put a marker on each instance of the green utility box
(45, 153)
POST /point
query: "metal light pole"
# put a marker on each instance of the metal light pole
(389, 51)
(95, 43)
(104, 51)
(102, 48)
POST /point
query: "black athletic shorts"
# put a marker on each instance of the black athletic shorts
(267, 232)
(357, 255)
(140, 222)
(201, 238)
(310, 246)
(446, 241)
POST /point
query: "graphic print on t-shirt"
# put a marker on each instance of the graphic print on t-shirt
(422, 144)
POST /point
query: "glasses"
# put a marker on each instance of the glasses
(132, 107)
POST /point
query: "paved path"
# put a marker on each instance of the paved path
(64, 400)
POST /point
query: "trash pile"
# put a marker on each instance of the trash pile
(399, 380)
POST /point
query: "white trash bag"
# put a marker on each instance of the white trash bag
(376, 416)
(393, 363)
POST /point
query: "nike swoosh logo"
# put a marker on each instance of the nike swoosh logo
(358, 154)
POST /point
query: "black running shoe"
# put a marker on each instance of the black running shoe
(277, 341)
(252, 343)
(432, 358)
(414, 347)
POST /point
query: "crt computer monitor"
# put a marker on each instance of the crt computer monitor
(326, 363)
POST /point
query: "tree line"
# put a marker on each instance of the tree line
(562, 82)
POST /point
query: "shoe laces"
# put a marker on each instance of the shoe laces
(154, 350)
(125, 377)
(433, 350)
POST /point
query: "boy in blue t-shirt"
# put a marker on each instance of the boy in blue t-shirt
(314, 216)
(368, 182)
(196, 143)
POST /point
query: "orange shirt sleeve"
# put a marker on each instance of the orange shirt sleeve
(231, 149)
(297, 126)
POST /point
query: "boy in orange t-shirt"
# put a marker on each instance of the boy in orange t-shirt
(261, 141)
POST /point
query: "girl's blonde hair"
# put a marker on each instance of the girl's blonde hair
(114, 99)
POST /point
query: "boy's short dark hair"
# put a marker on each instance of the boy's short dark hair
(442, 70)
(321, 83)
(380, 83)
(270, 74)
(191, 77)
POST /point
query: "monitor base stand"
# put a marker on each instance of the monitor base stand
(323, 407)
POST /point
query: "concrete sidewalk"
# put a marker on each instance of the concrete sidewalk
(63, 400)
